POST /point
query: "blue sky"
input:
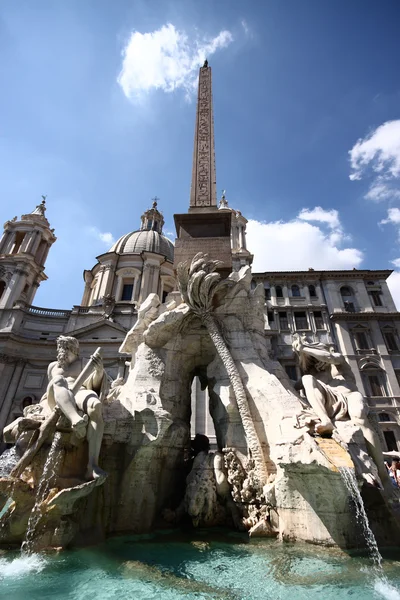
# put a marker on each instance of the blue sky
(97, 111)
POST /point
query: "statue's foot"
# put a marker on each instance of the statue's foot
(95, 473)
(79, 427)
(324, 429)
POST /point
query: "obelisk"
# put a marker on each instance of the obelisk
(204, 228)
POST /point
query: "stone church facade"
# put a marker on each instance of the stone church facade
(353, 309)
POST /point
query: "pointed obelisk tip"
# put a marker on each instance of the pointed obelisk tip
(205, 64)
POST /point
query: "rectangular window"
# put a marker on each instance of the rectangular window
(361, 340)
(319, 321)
(375, 385)
(267, 292)
(300, 319)
(390, 340)
(127, 292)
(390, 440)
(291, 372)
(271, 317)
(283, 321)
(376, 298)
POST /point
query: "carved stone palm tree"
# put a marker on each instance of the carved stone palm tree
(199, 285)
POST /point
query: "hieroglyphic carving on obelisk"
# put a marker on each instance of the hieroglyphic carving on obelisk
(203, 190)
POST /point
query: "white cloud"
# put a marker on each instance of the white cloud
(299, 245)
(393, 217)
(396, 262)
(106, 237)
(165, 59)
(394, 284)
(330, 217)
(378, 156)
(380, 150)
(380, 191)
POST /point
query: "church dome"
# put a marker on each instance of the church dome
(136, 242)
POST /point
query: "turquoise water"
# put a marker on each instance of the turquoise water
(199, 565)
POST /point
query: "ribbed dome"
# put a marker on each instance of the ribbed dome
(148, 241)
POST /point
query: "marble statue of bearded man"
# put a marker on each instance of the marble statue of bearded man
(62, 374)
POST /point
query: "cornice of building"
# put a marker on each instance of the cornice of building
(325, 275)
(364, 316)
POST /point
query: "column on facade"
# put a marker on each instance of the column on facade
(291, 321)
(45, 253)
(35, 245)
(286, 294)
(363, 297)
(378, 340)
(104, 282)
(387, 299)
(318, 291)
(273, 294)
(42, 252)
(380, 345)
(88, 277)
(10, 393)
(25, 242)
(345, 346)
(313, 326)
(9, 243)
(242, 238)
(32, 242)
(32, 291)
(145, 289)
(98, 284)
(4, 241)
(333, 297)
(306, 293)
(14, 288)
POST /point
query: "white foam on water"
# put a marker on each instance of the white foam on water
(22, 565)
(386, 590)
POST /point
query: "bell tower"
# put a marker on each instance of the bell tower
(23, 251)
(204, 228)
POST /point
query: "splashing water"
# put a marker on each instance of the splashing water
(381, 585)
(22, 565)
(49, 474)
(8, 460)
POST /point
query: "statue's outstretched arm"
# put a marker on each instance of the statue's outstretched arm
(332, 358)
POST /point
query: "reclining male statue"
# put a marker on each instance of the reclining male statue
(63, 375)
(330, 388)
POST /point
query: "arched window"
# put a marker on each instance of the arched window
(27, 401)
(2, 287)
(311, 289)
(279, 293)
(384, 417)
(346, 291)
(295, 291)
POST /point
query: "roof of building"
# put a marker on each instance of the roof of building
(137, 242)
